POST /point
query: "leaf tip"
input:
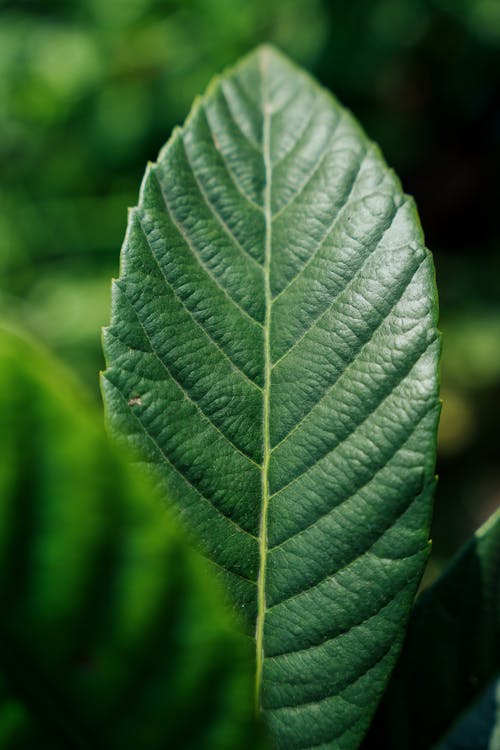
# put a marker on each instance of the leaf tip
(264, 57)
(266, 49)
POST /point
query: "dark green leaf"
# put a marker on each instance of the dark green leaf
(273, 354)
(495, 735)
(478, 728)
(452, 651)
(112, 634)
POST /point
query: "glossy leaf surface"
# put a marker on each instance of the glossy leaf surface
(272, 354)
(112, 632)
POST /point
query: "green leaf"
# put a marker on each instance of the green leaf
(478, 728)
(272, 355)
(495, 735)
(452, 650)
(112, 633)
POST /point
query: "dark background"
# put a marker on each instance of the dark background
(90, 90)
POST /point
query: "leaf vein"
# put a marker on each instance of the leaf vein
(355, 559)
(229, 169)
(211, 561)
(339, 695)
(366, 417)
(329, 231)
(218, 216)
(356, 624)
(197, 256)
(341, 291)
(317, 166)
(184, 390)
(171, 463)
(228, 97)
(349, 363)
(398, 445)
(197, 322)
(300, 136)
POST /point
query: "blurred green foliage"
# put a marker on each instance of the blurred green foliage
(113, 630)
(90, 90)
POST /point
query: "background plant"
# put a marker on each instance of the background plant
(113, 632)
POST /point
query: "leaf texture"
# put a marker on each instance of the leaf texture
(452, 650)
(112, 632)
(272, 354)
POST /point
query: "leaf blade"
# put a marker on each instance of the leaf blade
(478, 728)
(340, 415)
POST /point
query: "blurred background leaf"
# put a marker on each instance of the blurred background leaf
(113, 632)
(479, 728)
(90, 90)
(445, 682)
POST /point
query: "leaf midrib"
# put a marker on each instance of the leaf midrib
(266, 450)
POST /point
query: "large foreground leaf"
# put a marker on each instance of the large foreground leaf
(273, 353)
(111, 632)
(452, 651)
